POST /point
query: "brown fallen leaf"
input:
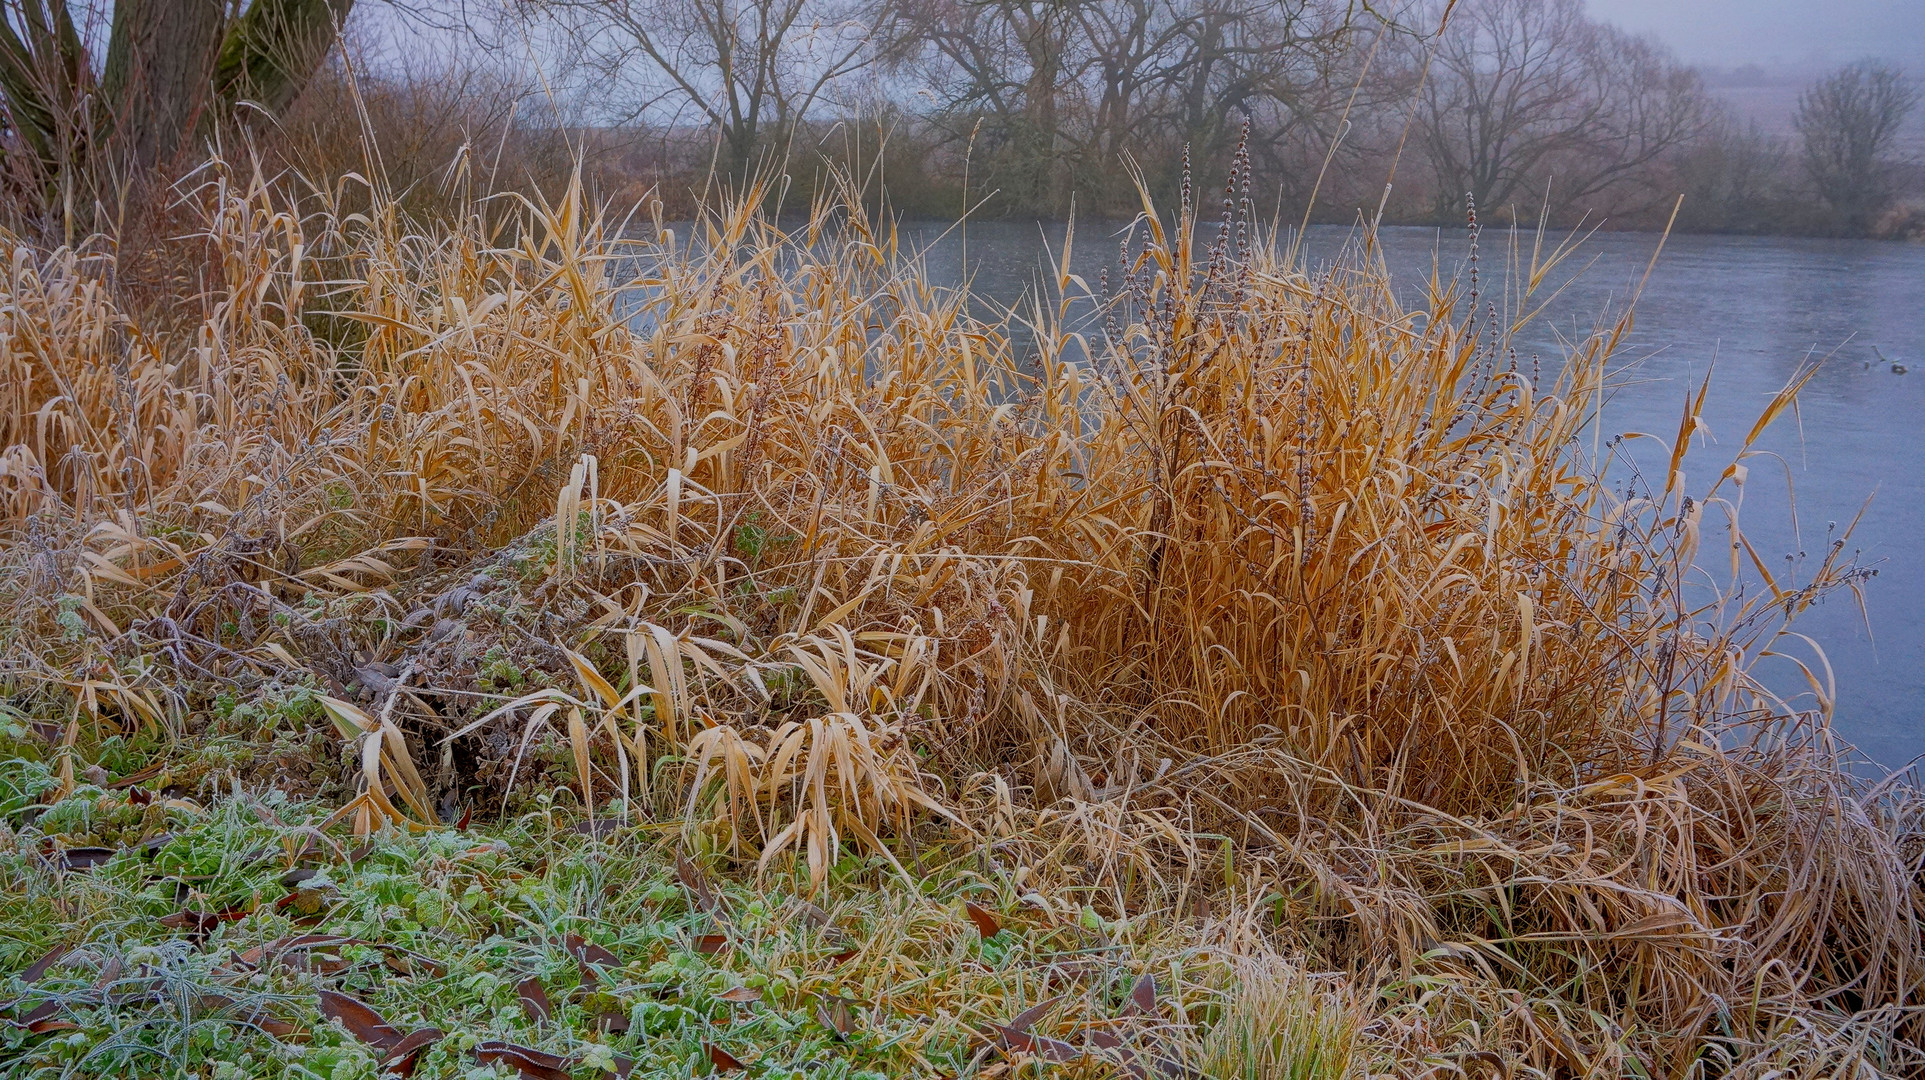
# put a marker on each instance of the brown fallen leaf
(310, 899)
(1026, 1019)
(588, 952)
(151, 846)
(1176, 1070)
(319, 963)
(740, 995)
(139, 796)
(722, 1059)
(360, 1020)
(292, 952)
(986, 924)
(1121, 1053)
(700, 892)
(199, 924)
(402, 962)
(711, 943)
(41, 1027)
(401, 1057)
(1142, 997)
(110, 974)
(256, 1016)
(588, 956)
(836, 1015)
(1022, 1042)
(623, 1066)
(133, 778)
(39, 968)
(613, 1022)
(85, 858)
(840, 957)
(534, 1000)
(41, 1019)
(527, 1061)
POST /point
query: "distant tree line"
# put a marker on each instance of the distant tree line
(1404, 111)
(1529, 109)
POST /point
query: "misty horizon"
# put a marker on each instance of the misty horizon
(1757, 56)
(1775, 34)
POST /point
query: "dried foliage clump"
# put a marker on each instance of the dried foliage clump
(1255, 597)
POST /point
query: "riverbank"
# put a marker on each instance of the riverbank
(1296, 632)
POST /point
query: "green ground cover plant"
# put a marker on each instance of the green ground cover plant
(536, 948)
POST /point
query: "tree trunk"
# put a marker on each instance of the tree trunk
(44, 77)
(158, 79)
(172, 68)
(272, 49)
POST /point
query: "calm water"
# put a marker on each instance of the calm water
(1750, 311)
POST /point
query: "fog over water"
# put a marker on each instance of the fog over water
(1775, 33)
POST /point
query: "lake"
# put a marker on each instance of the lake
(1749, 310)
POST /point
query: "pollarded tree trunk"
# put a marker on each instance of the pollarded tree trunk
(158, 79)
(171, 68)
(272, 49)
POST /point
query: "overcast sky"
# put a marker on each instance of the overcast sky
(1800, 33)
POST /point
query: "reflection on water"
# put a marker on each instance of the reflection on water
(1748, 311)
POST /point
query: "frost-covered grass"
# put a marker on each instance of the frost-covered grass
(872, 978)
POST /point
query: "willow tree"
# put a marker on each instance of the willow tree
(1850, 122)
(76, 123)
(1526, 97)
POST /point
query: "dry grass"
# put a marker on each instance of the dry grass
(1273, 606)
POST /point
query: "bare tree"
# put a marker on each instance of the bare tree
(997, 74)
(748, 70)
(1528, 95)
(1734, 179)
(1848, 122)
(1067, 90)
(1228, 59)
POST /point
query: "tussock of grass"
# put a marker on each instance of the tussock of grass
(1279, 1025)
(1260, 607)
